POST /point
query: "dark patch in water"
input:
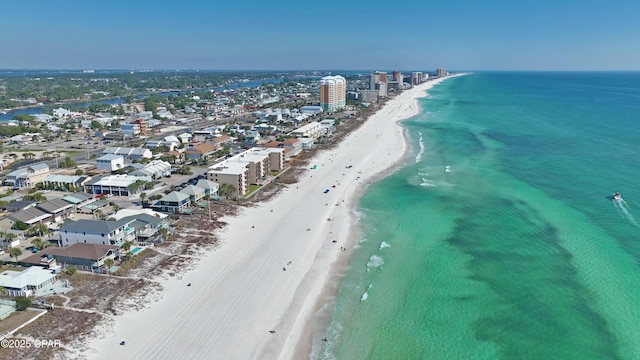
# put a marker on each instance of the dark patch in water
(517, 255)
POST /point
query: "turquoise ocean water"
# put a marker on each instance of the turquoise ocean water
(499, 239)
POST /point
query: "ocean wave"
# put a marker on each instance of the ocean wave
(421, 144)
(427, 182)
(375, 261)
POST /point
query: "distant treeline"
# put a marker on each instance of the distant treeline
(86, 87)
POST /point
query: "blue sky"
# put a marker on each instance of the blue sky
(327, 34)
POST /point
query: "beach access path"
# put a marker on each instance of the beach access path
(241, 291)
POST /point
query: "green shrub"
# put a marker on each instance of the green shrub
(71, 270)
(22, 303)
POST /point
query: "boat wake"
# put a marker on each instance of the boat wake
(623, 209)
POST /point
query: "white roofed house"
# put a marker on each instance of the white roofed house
(26, 282)
(119, 185)
(129, 153)
(61, 113)
(154, 169)
(65, 182)
(185, 138)
(311, 130)
(110, 162)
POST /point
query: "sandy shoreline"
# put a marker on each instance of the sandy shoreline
(240, 291)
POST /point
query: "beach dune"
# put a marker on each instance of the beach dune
(254, 296)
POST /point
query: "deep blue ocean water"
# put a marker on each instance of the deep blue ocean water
(499, 238)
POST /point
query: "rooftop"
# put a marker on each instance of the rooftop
(31, 276)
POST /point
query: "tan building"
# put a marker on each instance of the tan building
(250, 167)
(333, 93)
(27, 176)
(231, 173)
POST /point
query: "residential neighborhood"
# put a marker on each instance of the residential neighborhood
(103, 192)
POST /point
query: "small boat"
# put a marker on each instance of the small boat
(616, 197)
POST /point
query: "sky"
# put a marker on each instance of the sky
(320, 35)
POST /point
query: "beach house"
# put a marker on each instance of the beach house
(102, 232)
(87, 257)
(210, 188)
(27, 176)
(26, 282)
(174, 202)
(110, 162)
(129, 153)
(119, 185)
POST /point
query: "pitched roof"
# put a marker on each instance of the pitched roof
(208, 184)
(29, 216)
(203, 148)
(94, 226)
(145, 218)
(192, 190)
(78, 250)
(76, 198)
(221, 139)
(54, 205)
(110, 157)
(40, 166)
(174, 196)
(19, 205)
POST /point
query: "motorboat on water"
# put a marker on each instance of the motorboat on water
(616, 196)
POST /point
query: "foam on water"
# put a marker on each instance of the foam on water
(375, 262)
(365, 295)
(421, 144)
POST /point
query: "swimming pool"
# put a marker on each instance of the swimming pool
(135, 250)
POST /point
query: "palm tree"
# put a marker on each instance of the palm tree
(15, 252)
(38, 243)
(108, 263)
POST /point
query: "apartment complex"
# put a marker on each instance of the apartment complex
(249, 167)
(333, 93)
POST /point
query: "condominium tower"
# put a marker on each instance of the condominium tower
(379, 82)
(333, 93)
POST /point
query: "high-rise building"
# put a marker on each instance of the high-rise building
(333, 93)
(379, 82)
(398, 77)
(416, 77)
(442, 72)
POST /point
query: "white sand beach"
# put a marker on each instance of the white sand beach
(240, 291)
